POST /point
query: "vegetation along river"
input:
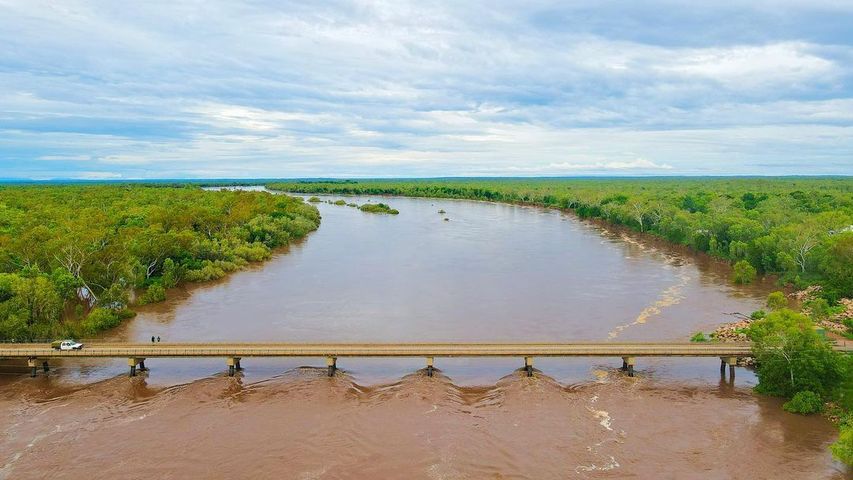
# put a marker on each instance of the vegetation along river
(491, 272)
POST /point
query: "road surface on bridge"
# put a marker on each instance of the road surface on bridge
(580, 349)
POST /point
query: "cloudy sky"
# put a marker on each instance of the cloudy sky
(227, 89)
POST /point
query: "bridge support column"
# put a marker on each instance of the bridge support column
(332, 364)
(732, 361)
(232, 363)
(142, 367)
(722, 367)
(237, 364)
(132, 362)
(45, 366)
(630, 361)
(430, 368)
(528, 366)
(624, 364)
(32, 363)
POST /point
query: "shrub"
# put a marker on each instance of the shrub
(805, 402)
(378, 208)
(172, 273)
(758, 314)
(699, 337)
(777, 300)
(155, 293)
(843, 448)
(314, 200)
(100, 319)
(252, 252)
(818, 307)
(340, 203)
(744, 272)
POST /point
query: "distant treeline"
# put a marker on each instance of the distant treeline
(73, 257)
(798, 227)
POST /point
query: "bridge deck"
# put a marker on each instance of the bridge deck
(586, 349)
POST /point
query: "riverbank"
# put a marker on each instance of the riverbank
(74, 259)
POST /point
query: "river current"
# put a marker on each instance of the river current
(489, 272)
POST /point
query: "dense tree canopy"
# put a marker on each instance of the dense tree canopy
(71, 257)
(800, 228)
(792, 357)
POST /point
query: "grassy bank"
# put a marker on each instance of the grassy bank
(74, 259)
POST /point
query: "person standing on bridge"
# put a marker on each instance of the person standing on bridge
(158, 338)
(152, 338)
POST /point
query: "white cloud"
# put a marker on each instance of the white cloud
(751, 66)
(97, 175)
(65, 158)
(438, 88)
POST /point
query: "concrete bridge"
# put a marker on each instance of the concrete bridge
(136, 353)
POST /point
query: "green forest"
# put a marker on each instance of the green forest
(75, 258)
(800, 228)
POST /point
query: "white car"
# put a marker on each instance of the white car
(67, 345)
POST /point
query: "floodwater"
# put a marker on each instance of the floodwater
(490, 272)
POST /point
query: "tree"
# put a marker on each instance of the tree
(744, 272)
(777, 301)
(638, 211)
(798, 242)
(836, 264)
(792, 357)
(39, 299)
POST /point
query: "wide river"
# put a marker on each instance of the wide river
(491, 272)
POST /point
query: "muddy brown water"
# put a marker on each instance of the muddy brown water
(491, 273)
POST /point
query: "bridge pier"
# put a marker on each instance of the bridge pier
(628, 364)
(624, 364)
(332, 364)
(132, 362)
(32, 362)
(429, 366)
(233, 365)
(528, 366)
(732, 363)
(45, 366)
